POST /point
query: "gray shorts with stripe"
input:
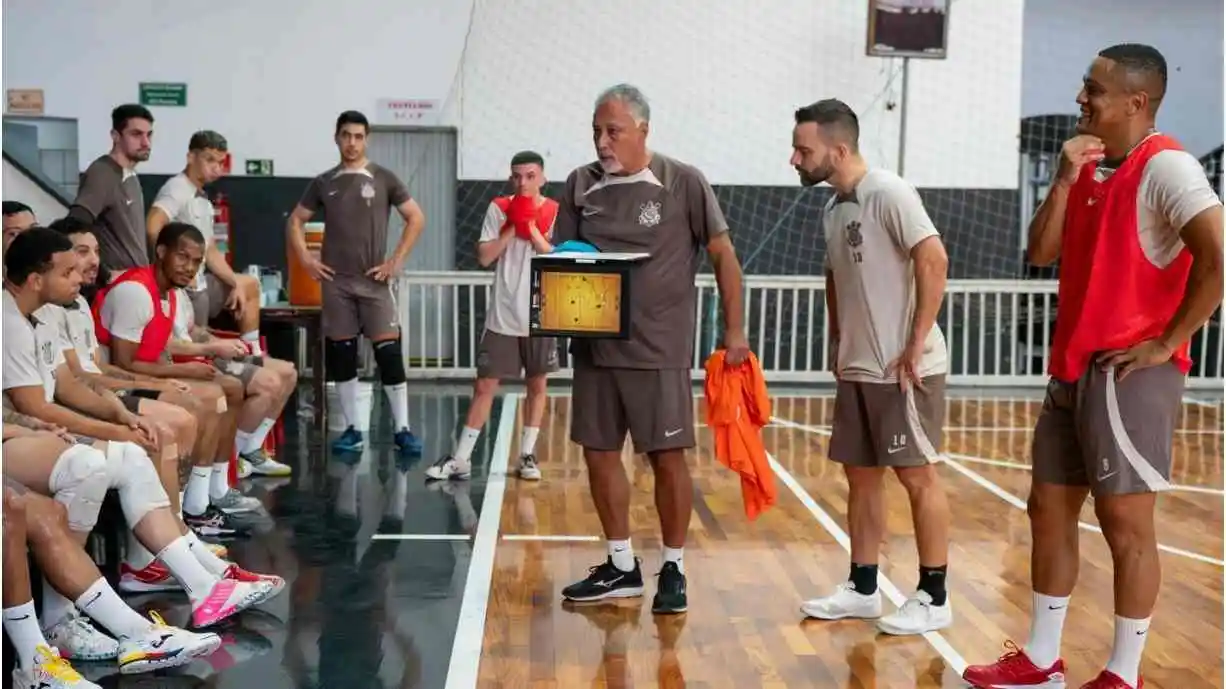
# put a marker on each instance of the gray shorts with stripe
(880, 425)
(1111, 435)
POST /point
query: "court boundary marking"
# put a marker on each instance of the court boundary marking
(1005, 495)
(953, 659)
(464, 665)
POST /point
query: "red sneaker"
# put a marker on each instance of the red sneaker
(155, 577)
(1015, 670)
(1110, 680)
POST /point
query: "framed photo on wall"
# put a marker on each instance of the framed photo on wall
(908, 28)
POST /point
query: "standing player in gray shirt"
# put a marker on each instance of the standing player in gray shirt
(357, 198)
(110, 197)
(635, 200)
(885, 281)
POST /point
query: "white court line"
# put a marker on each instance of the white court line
(1004, 494)
(419, 537)
(470, 628)
(552, 538)
(953, 659)
(1030, 429)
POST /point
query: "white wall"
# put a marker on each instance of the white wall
(1061, 38)
(723, 75)
(15, 186)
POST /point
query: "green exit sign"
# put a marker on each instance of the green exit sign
(259, 168)
(163, 94)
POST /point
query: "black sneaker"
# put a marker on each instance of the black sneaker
(213, 523)
(606, 581)
(670, 591)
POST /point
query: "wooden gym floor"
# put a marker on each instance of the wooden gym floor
(746, 580)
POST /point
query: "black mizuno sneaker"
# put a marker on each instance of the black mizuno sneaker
(670, 591)
(606, 581)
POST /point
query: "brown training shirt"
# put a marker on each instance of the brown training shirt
(357, 205)
(111, 198)
(667, 210)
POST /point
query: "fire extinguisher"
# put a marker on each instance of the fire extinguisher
(221, 227)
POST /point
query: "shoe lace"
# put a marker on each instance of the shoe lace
(1012, 656)
(50, 662)
(157, 619)
(529, 461)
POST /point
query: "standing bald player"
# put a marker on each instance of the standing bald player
(885, 281)
(110, 196)
(1138, 232)
(357, 198)
(635, 200)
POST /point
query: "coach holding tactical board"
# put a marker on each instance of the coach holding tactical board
(634, 200)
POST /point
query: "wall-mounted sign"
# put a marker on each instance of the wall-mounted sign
(163, 94)
(908, 28)
(26, 102)
(407, 111)
(259, 167)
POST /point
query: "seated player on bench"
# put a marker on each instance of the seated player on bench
(195, 420)
(139, 644)
(41, 268)
(141, 338)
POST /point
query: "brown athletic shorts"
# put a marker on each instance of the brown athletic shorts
(131, 398)
(655, 406)
(505, 356)
(209, 302)
(880, 425)
(355, 305)
(1114, 436)
(243, 368)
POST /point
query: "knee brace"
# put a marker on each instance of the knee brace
(133, 473)
(79, 482)
(341, 359)
(389, 356)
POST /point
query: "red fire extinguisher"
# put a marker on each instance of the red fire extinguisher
(221, 227)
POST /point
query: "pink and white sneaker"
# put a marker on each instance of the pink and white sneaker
(228, 598)
(237, 573)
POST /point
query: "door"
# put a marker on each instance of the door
(425, 159)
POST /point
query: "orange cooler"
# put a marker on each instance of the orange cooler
(303, 289)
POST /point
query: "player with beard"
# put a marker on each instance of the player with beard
(885, 281)
(110, 196)
(1138, 232)
(18, 217)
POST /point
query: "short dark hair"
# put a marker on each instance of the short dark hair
(172, 232)
(15, 207)
(129, 111)
(70, 225)
(351, 117)
(527, 158)
(32, 252)
(835, 116)
(208, 139)
(1142, 60)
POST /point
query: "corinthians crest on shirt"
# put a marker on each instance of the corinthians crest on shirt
(649, 214)
(48, 354)
(854, 237)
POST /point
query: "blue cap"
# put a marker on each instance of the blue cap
(576, 246)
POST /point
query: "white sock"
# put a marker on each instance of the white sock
(56, 608)
(139, 556)
(527, 441)
(465, 444)
(398, 398)
(676, 555)
(252, 340)
(1046, 626)
(106, 608)
(219, 482)
(182, 563)
(196, 494)
(242, 441)
(213, 564)
(1130, 636)
(622, 555)
(22, 627)
(347, 391)
(260, 434)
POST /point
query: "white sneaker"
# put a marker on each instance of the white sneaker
(76, 639)
(528, 469)
(164, 646)
(235, 502)
(918, 616)
(244, 469)
(448, 468)
(844, 603)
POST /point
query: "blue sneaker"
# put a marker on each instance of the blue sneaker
(407, 442)
(350, 441)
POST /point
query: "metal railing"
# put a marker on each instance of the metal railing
(998, 331)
